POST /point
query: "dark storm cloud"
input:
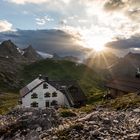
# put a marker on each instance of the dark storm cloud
(133, 42)
(112, 5)
(134, 14)
(49, 41)
(131, 8)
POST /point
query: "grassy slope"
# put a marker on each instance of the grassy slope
(64, 70)
(7, 101)
(125, 101)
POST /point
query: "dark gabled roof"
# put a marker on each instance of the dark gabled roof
(72, 97)
(126, 85)
(60, 84)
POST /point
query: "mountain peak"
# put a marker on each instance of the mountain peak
(31, 54)
(30, 48)
(9, 49)
(8, 44)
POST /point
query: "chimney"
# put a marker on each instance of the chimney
(138, 73)
(46, 78)
(40, 76)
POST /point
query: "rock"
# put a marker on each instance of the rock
(106, 121)
(115, 121)
(101, 124)
(32, 136)
(95, 133)
(92, 122)
(134, 136)
(24, 122)
(137, 110)
(39, 129)
(54, 137)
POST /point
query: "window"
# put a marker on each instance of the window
(34, 104)
(54, 103)
(54, 94)
(45, 86)
(47, 104)
(34, 95)
(47, 94)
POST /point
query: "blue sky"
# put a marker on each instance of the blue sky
(24, 16)
(95, 23)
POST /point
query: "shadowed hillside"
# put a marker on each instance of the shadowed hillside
(63, 70)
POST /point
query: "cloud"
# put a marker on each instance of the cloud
(47, 41)
(126, 43)
(134, 14)
(43, 21)
(47, 18)
(63, 22)
(5, 26)
(40, 21)
(97, 21)
(45, 55)
(130, 8)
(112, 5)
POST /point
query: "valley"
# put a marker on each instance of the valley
(17, 70)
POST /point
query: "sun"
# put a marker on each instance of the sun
(99, 48)
(96, 43)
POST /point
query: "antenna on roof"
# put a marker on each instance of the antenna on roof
(138, 73)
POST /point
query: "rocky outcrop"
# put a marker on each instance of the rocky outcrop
(27, 123)
(46, 124)
(101, 124)
(9, 50)
(31, 54)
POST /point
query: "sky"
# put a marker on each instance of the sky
(95, 23)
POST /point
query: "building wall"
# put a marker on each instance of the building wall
(41, 100)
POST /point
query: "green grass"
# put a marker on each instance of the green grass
(67, 113)
(123, 102)
(8, 101)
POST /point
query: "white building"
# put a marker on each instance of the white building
(44, 93)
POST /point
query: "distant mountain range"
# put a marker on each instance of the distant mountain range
(19, 66)
(126, 66)
(9, 50)
(13, 61)
(47, 41)
(108, 64)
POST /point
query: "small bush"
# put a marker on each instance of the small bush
(87, 109)
(67, 113)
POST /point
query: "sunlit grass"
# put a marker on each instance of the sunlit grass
(8, 101)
